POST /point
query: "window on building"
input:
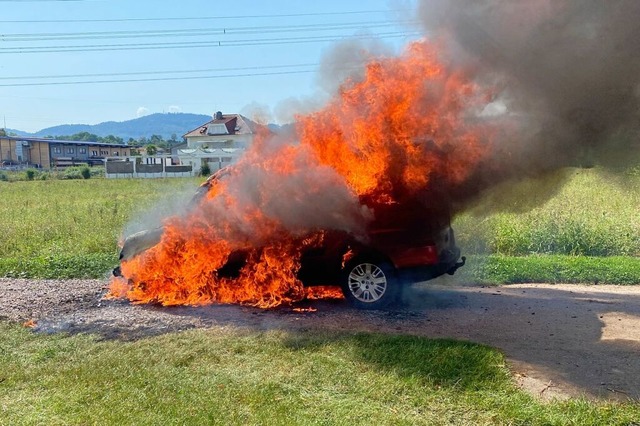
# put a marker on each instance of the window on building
(57, 150)
(104, 152)
(116, 153)
(70, 150)
(82, 150)
(217, 129)
(94, 153)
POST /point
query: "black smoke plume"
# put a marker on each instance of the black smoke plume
(567, 74)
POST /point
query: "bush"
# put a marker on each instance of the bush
(97, 172)
(4, 177)
(31, 173)
(85, 173)
(205, 170)
(72, 173)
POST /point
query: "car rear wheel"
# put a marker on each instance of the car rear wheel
(370, 284)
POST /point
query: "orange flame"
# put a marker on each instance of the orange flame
(324, 292)
(387, 137)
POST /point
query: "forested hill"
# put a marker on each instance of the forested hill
(164, 125)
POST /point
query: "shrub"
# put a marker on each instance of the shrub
(205, 170)
(4, 177)
(85, 172)
(31, 173)
(72, 173)
(97, 172)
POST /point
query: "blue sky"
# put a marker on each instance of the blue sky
(255, 38)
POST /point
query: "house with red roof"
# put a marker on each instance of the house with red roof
(220, 141)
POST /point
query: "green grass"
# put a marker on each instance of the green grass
(499, 269)
(70, 228)
(230, 376)
(594, 213)
(59, 266)
(532, 231)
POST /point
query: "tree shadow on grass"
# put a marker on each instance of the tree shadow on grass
(435, 362)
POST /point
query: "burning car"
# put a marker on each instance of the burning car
(399, 247)
(359, 194)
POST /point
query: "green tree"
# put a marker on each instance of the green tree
(82, 136)
(152, 149)
(156, 139)
(112, 139)
(3, 132)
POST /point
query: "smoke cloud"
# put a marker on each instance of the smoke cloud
(568, 74)
(280, 185)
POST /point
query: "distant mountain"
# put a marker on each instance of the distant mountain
(154, 124)
(19, 133)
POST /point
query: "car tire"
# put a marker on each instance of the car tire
(370, 284)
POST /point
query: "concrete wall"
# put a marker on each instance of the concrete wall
(119, 167)
(133, 167)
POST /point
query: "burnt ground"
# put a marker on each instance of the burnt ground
(560, 340)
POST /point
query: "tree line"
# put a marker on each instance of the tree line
(156, 140)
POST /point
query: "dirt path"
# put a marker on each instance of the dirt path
(560, 340)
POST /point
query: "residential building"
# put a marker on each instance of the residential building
(220, 141)
(217, 143)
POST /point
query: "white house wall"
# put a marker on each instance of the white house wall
(237, 141)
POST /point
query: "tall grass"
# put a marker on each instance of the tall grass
(593, 214)
(74, 217)
(70, 228)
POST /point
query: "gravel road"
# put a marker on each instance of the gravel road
(560, 340)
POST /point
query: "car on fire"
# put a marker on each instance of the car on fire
(400, 247)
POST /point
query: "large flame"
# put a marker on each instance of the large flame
(408, 124)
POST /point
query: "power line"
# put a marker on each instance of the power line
(138, 80)
(195, 44)
(197, 18)
(198, 31)
(41, 77)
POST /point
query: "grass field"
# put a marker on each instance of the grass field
(71, 228)
(230, 376)
(585, 231)
(595, 213)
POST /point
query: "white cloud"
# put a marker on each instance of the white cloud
(142, 111)
(174, 108)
